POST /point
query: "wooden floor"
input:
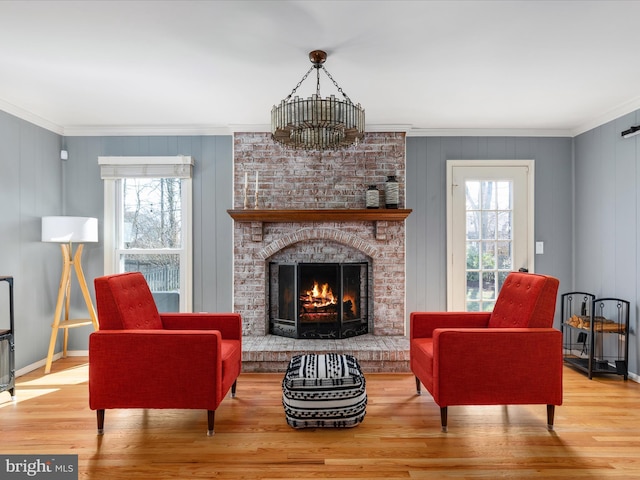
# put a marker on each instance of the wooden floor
(597, 434)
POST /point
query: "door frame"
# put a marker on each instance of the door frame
(530, 164)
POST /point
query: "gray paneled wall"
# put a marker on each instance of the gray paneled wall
(602, 249)
(607, 180)
(35, 182)
(30, 187)
(426, 195)
(212, 196)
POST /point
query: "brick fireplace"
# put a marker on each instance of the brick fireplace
(310, 208)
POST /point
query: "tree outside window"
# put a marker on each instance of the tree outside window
(152, 221)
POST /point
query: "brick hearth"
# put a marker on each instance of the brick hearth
(375, 353)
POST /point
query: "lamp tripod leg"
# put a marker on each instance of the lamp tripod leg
(77, 265)
(62, 293)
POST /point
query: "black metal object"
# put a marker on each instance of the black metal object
(7, 348)
(631, 132)
(595, 333)
(318, 300)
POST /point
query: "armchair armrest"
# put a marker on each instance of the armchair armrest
(497, 366)
(139, 368)
(422, 324)
(229, 324)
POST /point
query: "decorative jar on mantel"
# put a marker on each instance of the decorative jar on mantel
(391, 192)
(373, 197)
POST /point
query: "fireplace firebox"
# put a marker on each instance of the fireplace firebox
(318, 300)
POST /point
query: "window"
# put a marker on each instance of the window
(147, 224)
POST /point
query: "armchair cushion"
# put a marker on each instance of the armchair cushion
(125, 302)
(525, 301)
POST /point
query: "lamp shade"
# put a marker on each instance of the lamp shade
(69, 229)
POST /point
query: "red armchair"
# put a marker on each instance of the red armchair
(509, 356)
(142, 359)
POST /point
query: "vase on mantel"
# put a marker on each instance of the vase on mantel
(372, 197)
(391, 192)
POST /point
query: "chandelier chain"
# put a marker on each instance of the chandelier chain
(304, 77)
(335, 84)
(298, 85)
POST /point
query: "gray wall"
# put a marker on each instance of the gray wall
(607, 241)
(212, 196)
(595, 249)
(426, 226)
(34, 182)
(30, 187)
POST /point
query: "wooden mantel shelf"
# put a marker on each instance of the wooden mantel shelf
(379, 217)
(320, 215)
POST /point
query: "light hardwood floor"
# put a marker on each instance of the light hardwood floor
(597, 434)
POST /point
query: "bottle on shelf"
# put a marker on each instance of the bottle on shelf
(373, 197)
(391, 192)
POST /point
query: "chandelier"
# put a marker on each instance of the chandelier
(317, 123)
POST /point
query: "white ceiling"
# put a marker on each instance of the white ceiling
(427, 67)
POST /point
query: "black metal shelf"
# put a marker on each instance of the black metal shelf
(7, 348)
(595, 333)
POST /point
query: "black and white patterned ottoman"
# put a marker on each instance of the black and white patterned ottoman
(324, 391)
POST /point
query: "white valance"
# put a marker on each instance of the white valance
(179, 166)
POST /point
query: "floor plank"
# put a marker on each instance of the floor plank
(597, 434)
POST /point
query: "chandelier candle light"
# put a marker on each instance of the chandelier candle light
(317, 123)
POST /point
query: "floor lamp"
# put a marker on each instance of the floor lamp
(66, 231)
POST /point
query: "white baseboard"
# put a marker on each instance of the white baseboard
(43, 362)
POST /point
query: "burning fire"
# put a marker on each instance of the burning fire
(319, 296)
(320, 300)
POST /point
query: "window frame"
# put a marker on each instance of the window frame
(112, 171)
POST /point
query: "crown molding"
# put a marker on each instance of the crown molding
(27, 116)
(204, 130)
(179, 130)
(141, 130)
(609, 116)
(249, 128)
(487, 132)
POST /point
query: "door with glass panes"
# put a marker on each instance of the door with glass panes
(490, 229)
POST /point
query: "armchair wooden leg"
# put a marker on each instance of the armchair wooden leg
(418, 387)
(233, 389)
(100, 416)
(210, 418)
(443, 418)
(550, 412)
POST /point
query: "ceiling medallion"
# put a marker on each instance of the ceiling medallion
(317, 123)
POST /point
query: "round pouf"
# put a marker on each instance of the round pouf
(324, 390)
